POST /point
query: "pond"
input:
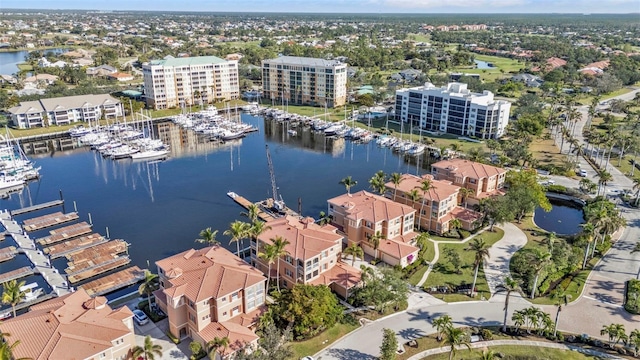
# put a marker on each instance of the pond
(483, 64)
(563, 218)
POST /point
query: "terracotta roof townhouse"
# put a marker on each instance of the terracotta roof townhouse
(74, 326)
(211, 293)
(364, 216)
(483, 180)
(313, 255)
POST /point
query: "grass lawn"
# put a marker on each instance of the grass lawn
(428, 256)
(443, 274)
(313, 345)
(419, 37)
(25, 67)
(518, 351)
(502, 67)
(546, 152)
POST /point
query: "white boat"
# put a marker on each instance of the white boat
(292, 132)
(416, 149)
(7, 182)
(232, 195)
(150, 154)
(79, 131)
(32, 291)
(231, 135)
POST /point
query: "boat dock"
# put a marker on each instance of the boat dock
(89, 268)
(115, 281)
(111, 247)
(16, 274)
(49, 220)
(74, 246)
(65, 233)
(8, 253)
(37, 207)
(242, 201)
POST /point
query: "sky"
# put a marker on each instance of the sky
(341, 6)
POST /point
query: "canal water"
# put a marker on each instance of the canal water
(159, 208)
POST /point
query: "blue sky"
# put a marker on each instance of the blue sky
(342, 6)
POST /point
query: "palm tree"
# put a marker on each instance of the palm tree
(441, 324)
(636, 249)
(279, 245)
(238, 230)
(6, 350)
(425, 186)
(217, 343)
(12, 295)
(560, 298)
(509, 285)
(615, 332)
(396, 179)
(588, 229)
(550, 240)
(355, 251)
(149, 284)
(454, 337)
(252, 212)
(208, 237)
(375, 241)
(518, 319)
(414, 196)
(634, 340)
(268, 255)
(603, 178)
(489, 355)
(481, 253)
(148, 351)
(464, 195)
(348, 183)
(454, 225)
(538, 262)
(377, 182)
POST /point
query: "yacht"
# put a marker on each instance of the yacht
(231, 135)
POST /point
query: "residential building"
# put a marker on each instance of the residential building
(453, 109)
(74, 326)
(39, 80)
(528, 79)
(65, 110)
(363, 216)
(120, 76)
(305, 81)
(102, 70)
(211, 293)
(173, 82)
(313, 255)
(484, 180)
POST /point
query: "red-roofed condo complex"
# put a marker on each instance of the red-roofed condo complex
(484, 180)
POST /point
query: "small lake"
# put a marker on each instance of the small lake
(483, 64)
(9, 60)
(562, 219)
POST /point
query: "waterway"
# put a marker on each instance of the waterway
(160, 208)
(9, 60)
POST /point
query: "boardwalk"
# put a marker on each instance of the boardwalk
(112, 247)
(75, 245)
(242, 201)
(114, 281)
(42, 206)
(49, 220)
(16, 274)
(65, 233)
(8, 253)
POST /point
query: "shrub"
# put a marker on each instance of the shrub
(486, 334)
(173, 338)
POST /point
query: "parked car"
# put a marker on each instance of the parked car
(582, 173)
(140, 317)
(307, 358)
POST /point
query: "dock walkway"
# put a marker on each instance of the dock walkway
(242, 201)
(8, 253)
(106, 284)
(37, 207)
(75, 245)
(49, 220)
(42, 265)
(117, 246)
(65, 233)
(16, 274)
(88, 269)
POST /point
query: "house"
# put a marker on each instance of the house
(8, 79)
(121, 77)
(43, 62)
(484, 180)
(102, 70)
(313, 255)
(211, 293)
(596, 68)
(410, 74)
(364, 217)
(437, 206)
(74, 326)
(553, 63)
(528, 79)
(39, 79)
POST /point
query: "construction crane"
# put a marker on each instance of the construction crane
(278, 203)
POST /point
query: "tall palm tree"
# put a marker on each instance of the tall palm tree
(377, 182)
(560, 298)
(375, 241)
(208, 237)
(455, 225)
(348, 183)
(215, 345)
(252, 212)
(550, 240)
(481, 253)
(355, 251)
(464, 195)
(454, 337)
(603, 178)
(396, 179)
(12, 295)
(425, 186)
(441, 324)
(238, 230)
(149, 284)
(588, 229)
(269, 255)
(148, 351)
(279, 245)
(509, 285)
(414, 196)
(539, 261)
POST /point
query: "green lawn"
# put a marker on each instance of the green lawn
(313, 345)
(444, 274)
(428, 256)
(502, 67)
(25, 67)
(516, 351)
(419, 37)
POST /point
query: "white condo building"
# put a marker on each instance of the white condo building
(453, 109)
(176, 82)
(305, 81)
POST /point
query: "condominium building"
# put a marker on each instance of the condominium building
(436, 205)
(211, 293)
(304, 81)
(313, 255)
(483, 180)
(176, 82)
(74, 326)
(65, 110)
(453, 109)
(365, 217)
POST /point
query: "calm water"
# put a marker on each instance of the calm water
(483, 64)
(160, 208)
(562, 219)
(9, 60)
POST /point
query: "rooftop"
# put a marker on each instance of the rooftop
(188, 61)
(64, 103)
(469, 169)
(367, 206)
(440, 190)
(306, 61)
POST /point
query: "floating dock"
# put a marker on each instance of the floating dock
(8, 253)
(94, 267)
(115, 281)
(37, 207)
(264, 216)
(49, 220)
(75, 245)
(17, 274)
(65, 233)
(111, 247)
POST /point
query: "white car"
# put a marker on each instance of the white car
(582, 173)
(140, 317)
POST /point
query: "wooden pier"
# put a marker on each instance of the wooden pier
(94, 267)
(17, 274)
(37, 207)
(49, 220)
(75, 245)
(115, 281)
(111, 247)
(8, 253)
(65, 233)
(242, 201)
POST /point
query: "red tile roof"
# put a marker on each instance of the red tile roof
(306, 238)
(469, 169)
(341, 274)
(441, 189)
(364, 205)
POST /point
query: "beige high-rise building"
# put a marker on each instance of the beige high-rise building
(304, 81)
(175, 82)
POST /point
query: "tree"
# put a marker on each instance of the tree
(509, 285)
(377, 182)
(539, 261)
(481, 253)
(12, 295)
(252, 212)
(208, 237)
(464, 195)
(560, 298)
(6, 350)
(196, 348)
(149, 284)
(374, 241)
(381, 289)
(355, 251)
(441, 324)
(148, 351)
(550, 240)
(269, 255)
(215, 345)
(604, 177)
(634, 340)
(389, 345)
(348, 183)
(588, 230)
(454, 337)
(273, 345)
(525, 193)
(454, 225)
(238, 230)
(279, 245)
(396, 179)
(425, 186)
(454, 258)
(257, 228)
(615, 332)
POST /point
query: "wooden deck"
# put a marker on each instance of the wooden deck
(111, 247)
(37, 207)
(242, 201)
(16, 274)
(94, 267)
(73, 246)
(65, 233)
(115, 281)
(8, 253)
(49, 220)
